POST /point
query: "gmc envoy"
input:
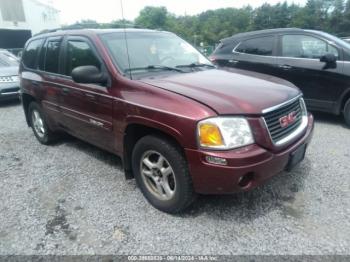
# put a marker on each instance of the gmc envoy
(181, 126)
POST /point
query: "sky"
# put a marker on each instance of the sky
(107, 10)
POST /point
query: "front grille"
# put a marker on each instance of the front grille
(273, 120)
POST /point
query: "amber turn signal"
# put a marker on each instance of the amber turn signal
(210, 135)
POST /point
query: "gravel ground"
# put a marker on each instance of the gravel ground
(72, 198)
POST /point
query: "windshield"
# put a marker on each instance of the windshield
(7, 60)
(152, 50)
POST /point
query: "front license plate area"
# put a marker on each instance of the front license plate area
(296, 157)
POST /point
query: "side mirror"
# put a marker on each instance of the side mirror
(88, 75)
(330, 60)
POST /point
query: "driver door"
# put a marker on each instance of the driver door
(86, 108)
(299, 62)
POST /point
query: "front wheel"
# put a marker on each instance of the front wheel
(162, 174)
(347, 113)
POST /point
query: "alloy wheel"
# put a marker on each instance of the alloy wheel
(158, 175)
(38, 124)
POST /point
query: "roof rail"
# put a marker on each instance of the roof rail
(265, 31)
(58, 30)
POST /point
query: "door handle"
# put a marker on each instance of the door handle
(285, 67)
(232, 61)
(65, 90)
(90, 96)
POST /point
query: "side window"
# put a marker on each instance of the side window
(303, 46)
(79, 53)
(30, 54)
(52, 56)
(225, 47)
(257, 46)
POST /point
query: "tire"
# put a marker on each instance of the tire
(168, 184)
(38, 124)
(347, 113)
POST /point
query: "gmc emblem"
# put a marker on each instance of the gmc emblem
(288, 119)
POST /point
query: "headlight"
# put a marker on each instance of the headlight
(224, 133)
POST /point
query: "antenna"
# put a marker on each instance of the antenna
(126, 39)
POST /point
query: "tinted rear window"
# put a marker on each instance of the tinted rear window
(225, 47)
(52, 56)
(257, 46)
(29, 57)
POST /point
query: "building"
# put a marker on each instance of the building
(32, 15)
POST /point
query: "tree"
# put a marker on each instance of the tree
(209, 27)
(336, 21)
(346, 20)
(152, 17)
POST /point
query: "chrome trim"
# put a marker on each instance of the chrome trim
(239, 53)
(234, 49)
(10, 93)
(273, 108)
(333, 44)
(305, 58)
(96, 123)
(299, 130)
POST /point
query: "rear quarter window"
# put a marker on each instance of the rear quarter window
(31, 52)
(257, 46)
(225, 48)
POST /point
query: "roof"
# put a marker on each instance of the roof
(261, 32)
(60, 32)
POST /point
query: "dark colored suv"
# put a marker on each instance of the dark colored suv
(180, 125)
(314, 61)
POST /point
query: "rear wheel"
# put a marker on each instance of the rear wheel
(347, 113)
(39, 125)
(162, 174)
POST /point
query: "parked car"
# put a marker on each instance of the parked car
(180, 125)
(314, 61)
(9, 81)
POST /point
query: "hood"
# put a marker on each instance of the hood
(228, 92)
(9, 71)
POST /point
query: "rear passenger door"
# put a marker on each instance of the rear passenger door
(49, 65)
(86, 108)
(256, 54)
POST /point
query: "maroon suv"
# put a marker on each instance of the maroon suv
(180, 125)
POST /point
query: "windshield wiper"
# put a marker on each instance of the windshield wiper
(154, 67)
(193, 65)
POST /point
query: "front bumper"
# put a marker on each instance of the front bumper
(255, 161)
(9, 91)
